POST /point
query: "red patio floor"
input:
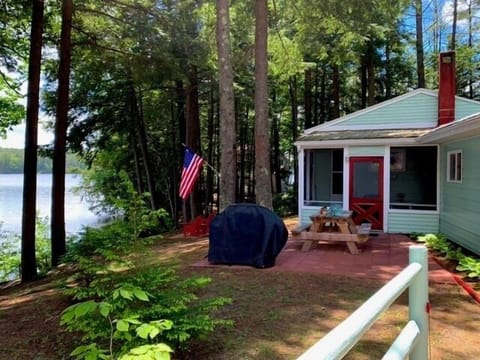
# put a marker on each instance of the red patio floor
(383, 257)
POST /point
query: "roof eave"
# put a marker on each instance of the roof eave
(316, 144)
(457, 130)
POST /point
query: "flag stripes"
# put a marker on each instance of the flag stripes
(192, 165)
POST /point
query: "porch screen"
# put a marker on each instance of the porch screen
(413, 178)
(323, 177)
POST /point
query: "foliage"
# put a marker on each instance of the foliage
(439, 242)
(135, 311)
(126, 310)
(10, 251)
(470, 266)
(9, 256)
(137, 308)
(113, 192)
(11, 162)
(285, 203)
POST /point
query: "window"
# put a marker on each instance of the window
(454, 166)
(413, 178)
(337, 172)
(323, 177)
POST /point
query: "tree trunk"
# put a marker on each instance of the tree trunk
(363, 84)
(227, 107)
(308, 97)
(388, 71)
(29, 263)
(454, 25)
(60, 143)
(419, 44)
(263, 176)
(244, 145)
(471, 79)
(179, 122)
(276, 154)
(193, 133)
(211, 136)
(371, 74)
(139, 124)
(294, 111)
(336, 91)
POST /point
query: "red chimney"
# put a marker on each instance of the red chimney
(446, 88)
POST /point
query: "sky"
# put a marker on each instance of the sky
(16, 137)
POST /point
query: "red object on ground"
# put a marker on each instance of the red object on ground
(200, 226)
(467, 288)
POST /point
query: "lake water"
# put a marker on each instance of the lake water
(77, 213)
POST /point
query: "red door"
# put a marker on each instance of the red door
(366, 190)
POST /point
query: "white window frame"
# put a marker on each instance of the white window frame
(457, 175)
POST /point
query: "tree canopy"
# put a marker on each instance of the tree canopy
(145, 79)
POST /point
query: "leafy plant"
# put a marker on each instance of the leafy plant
(469, 265)
(436, 242)
(9, 256)
(439, 242)
(285, 203)
(119, 312)
(10, 251)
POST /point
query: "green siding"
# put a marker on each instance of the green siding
(415, 110)
(408, 222)
(460, 202)
(366, 151)
(420, 110)
(306, 213)
(465, 108)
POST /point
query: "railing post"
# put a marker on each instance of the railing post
(418, 301)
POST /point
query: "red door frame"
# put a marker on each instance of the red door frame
(367, 209)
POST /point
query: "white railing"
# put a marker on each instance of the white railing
(412, 341)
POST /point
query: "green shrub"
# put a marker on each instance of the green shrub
(470, 266)
(439, 242)
(125, 310)
(9, 256)
(10, 251)
(121, 311)
(285, 203)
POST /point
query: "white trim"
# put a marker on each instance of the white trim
(466, 127)
(410, 211)
(456, 153)
(386, 187)
(346, 177)
(439, 180)
(301, 183)
(319, 144)
(402, 126)
(355, 114)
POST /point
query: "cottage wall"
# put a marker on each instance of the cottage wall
(460, 202)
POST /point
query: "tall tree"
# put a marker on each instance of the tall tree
(263, 177)
(419, 44)
(29, 264)
(227, 107)
(59, 150)
(453, 42)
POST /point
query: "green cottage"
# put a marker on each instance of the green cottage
(408, 164)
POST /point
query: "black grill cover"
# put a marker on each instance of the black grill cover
(246, 234)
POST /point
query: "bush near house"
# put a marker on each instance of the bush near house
(467, 264)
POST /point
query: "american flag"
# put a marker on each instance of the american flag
(192, 165)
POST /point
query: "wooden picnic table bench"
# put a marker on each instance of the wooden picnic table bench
(329, 228)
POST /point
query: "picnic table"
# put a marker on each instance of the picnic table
(332, 227)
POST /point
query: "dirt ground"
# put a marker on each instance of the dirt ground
(30, 313)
